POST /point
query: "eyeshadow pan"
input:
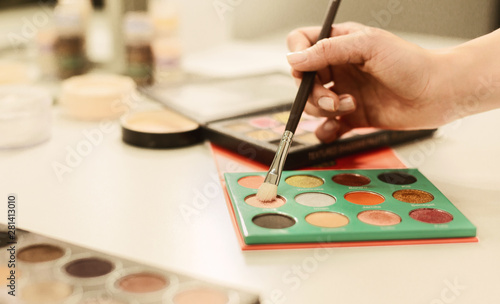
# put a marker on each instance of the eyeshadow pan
(239, 127)
(304, 181)
(308, 138)
(282, 117)
(327, 219)
(364, 198)
(273, 221)
(142, 282)
(252, 200)
(431, 216)
(264, 122)
(379, 217)
(413, 196)
(252, 182)
(89, 267)
(309, 125)
(315, 199)
(202, 295)
(4, 238)
(40, 253)
(46, 292)
(264, 135)
(351, 179)
(397, 178)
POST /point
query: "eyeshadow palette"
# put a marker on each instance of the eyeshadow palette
(344, 206)
(48, 271)
(248, 116)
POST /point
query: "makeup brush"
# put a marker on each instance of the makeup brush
(269, 188)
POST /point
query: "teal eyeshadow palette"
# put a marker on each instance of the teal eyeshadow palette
(344, 206)
(43, 270)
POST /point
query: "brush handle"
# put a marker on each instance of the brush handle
(307, 82)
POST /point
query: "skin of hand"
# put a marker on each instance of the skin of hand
(368, 77)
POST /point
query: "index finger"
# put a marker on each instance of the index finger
(302, 38)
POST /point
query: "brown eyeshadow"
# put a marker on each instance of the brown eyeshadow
(89, 267)
(351, 179)
(413, 196)
(40, 253)
(143, 282)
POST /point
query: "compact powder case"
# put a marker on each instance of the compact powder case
(160, 129)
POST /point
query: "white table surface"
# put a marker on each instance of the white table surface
(127, 201)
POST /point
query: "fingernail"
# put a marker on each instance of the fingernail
(346, 104)
(296, 57)
(329, 126)
(326, 103)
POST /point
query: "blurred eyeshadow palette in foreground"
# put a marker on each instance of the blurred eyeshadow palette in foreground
(345, 207)
(48, 271)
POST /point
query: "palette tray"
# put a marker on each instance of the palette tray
(248, 115)
(258, 135)
(344, 206)
(48, 271)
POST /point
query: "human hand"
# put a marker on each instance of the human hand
(379, 80)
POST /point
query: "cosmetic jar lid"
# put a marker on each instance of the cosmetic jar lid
(25, 116)
(97, 96)
(160, 129)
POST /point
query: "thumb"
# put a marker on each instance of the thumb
(353, 48)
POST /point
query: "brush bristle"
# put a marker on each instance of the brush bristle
(267, 192)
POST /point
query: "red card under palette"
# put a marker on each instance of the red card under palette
(49, 271)
(248, 116)
(381, 206)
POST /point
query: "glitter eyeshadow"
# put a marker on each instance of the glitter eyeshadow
(351, 179)
(379, 218)
(252, 200)
(413, 196)
(431, 216)
(40, 253)
(304, 181)
(273, 221)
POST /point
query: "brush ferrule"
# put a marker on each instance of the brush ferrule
(274, 174)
